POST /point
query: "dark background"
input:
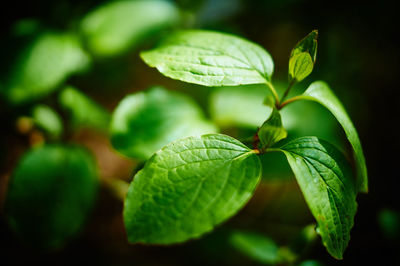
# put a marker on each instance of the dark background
(358, 55)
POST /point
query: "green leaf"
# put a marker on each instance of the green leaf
(300, 66)
(188, 187)
(325, 179)
(144, 122)
(308, 44)
(211, 59)
(116, 27)
(272, 130)
(389, 223)
(256, 246)
(311, 263)
(44, 65)
(50, 195)
(239, 106)
(320, 92)
(48, 120)
(83, 110)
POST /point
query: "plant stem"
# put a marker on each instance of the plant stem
(292, 82)
(272, 89)
(291, 100)
(273, 150)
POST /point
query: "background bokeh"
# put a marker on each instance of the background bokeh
(358, 57)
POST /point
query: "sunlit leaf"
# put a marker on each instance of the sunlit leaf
(144, 122)
(188, 187)
(48, 120)
(44, 65)
(118, 26)
(50, 195)
(211, 59)
(83, 111)
(300, 66)
(326, 181)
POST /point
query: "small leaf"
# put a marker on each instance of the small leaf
(44, 65)
(300, 66)
(83, 110)
(48, 120)
(189, 187)
(272, 130)
(257, 247)
(144, 122)
(211, 59)
(320, 92)
(116, 27)
(50, 195)
(326, 181)
(239, 106)
(308, 44)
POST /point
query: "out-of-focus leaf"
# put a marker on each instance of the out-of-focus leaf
(48, 120)
(304, 239)
(26, 27)
(272, 130)
(144, 122)
(211, 59)
(44, 65)
(83, 110)
(256, 246)
(118, 26)
(309, 118)
(188, 187)
(50, 195)
(325, 178)
(239, 106)
(389, 222)
(311, 263)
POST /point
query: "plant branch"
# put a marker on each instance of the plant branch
(291, 100)
(292, 82)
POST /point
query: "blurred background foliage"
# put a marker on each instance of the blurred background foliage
(70, 73)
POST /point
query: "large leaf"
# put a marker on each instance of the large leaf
(325, 179)
(116, 27)
(211, 59)
(320, 92)
(144, 122)
(83, 111)
(44, 65)
(239, 106)
(188, 187)
(50, 195)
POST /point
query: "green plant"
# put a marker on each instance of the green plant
(195, 183)
(188, 178)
